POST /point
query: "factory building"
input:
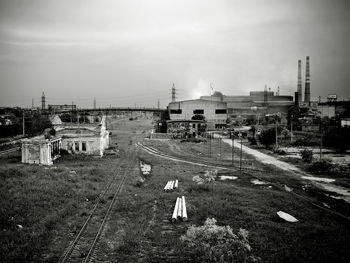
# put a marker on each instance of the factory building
(214, 112)
(258, 102)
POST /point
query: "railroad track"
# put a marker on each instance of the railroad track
(10, 150)
(84, 246)
(245, 171)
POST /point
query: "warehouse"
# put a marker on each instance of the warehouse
(213, 112)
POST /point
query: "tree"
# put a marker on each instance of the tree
(37, 123)
(267, 137)
(338, 138)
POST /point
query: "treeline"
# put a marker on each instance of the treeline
(34, 124)
(334, 137)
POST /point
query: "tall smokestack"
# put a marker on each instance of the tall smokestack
(307, 81)
(299, 87)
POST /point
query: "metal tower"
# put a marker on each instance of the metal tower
(299, 87)
(307, 81)
(43, 101)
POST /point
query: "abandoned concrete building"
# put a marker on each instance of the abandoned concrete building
(41, 150)
(84, 138)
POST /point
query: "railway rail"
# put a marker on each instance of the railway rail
(84, 246)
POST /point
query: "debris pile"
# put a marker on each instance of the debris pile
(171, 185)
(180, 212)
(145, 168)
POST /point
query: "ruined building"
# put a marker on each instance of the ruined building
(41, 149)
(85, 138)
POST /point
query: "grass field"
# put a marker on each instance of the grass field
(51, 204)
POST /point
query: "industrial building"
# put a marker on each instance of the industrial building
(214, 112)
(258, 102)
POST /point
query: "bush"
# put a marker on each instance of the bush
(326, 166)
(268, 137)
(252, 140)
(323, 165)
(280, 152)
(306, 155)
(213, 243)
(338, 138)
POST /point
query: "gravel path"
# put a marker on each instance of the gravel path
(343, 193)
(264, 158)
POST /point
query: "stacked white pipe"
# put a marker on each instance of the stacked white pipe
(180, 212)
(171, 185)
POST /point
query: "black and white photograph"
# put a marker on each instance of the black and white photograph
(178, 131)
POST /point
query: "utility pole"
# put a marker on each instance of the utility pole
(321, 145)
(232, 147)
(291, 128)
(209, 145)
(220, 146)
(276, 136)
(240, 157)
(23, 123)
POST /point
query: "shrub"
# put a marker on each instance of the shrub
(252, 140)
(268, 137)
(326, 166)
(308, 140)
(280, 152)
(338, 138)
(213, 243)
(323, 165)
(306, 155)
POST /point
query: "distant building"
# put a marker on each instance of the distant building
(5, 120)
(214, 112)
(326, 110)
(257, 103)
(61, 107)
(345, 122)
(41, 150)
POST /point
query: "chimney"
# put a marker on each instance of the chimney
(296, 98)
(307, 81)
(299, 87)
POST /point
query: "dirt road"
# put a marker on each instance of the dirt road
(339, 191)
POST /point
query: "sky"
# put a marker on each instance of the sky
(129, 53)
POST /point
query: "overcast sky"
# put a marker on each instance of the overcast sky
(130, 52)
